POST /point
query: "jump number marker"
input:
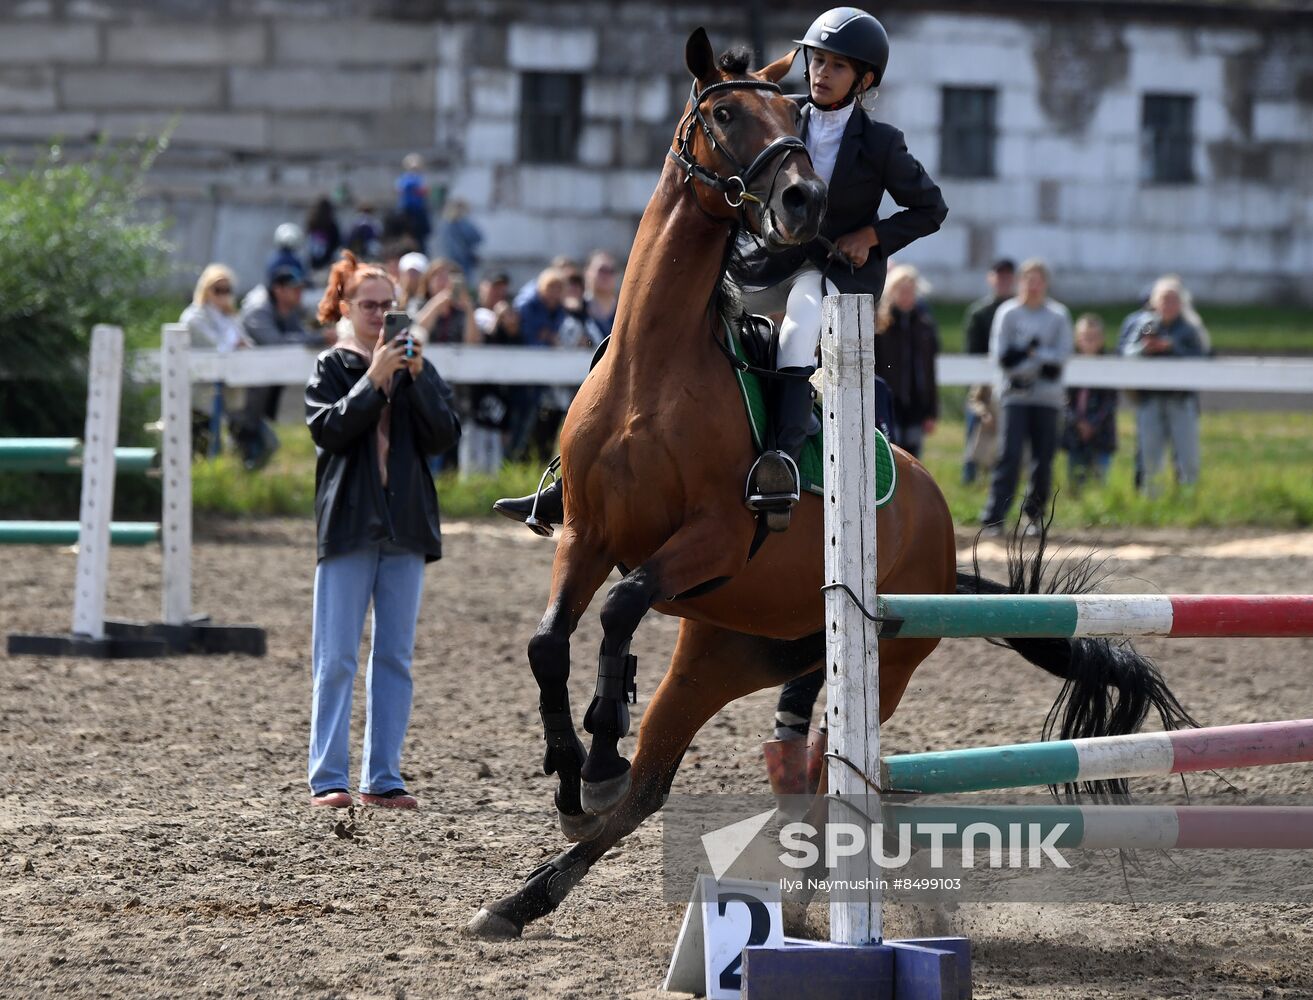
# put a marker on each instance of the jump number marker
(723, 918)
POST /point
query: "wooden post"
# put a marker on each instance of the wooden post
(175, 414)
(104, 386)
(852, 667)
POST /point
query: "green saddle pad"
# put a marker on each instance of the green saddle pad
(811, 465)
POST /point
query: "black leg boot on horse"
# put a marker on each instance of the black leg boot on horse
(774, 484)
(605, 775)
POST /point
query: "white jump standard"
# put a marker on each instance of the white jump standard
(180, 631)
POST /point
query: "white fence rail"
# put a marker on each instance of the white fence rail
(465, 363)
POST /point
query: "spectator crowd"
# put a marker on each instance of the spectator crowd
(448, 298)
(1030, 411)
(1016, 423)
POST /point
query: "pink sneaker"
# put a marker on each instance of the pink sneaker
(398, 798)
(336, 798)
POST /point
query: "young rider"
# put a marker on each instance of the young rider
(860, 159)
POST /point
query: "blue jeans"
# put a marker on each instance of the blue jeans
(1161, 417)
(344, 585)
(969, 465)
(1084, 461)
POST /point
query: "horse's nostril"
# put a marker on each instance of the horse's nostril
(794, 199)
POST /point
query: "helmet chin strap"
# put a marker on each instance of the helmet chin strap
(853, 94)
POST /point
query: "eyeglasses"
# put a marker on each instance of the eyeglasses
(370, 306)
(222, 290)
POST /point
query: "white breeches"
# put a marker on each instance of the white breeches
(799, 298)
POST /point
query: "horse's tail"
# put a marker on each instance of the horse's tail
(1108, 686)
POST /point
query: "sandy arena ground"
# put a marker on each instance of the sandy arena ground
(155, 839)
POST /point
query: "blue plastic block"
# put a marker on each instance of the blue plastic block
(818, 971)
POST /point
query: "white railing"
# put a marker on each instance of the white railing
(472, 363)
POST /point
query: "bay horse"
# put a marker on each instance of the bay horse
(654, 452)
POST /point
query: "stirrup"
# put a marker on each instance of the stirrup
(543, 528)
(776, 501)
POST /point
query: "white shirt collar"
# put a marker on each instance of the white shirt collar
(825, 131)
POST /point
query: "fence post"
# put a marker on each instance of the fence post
(176, 528)
(104, 387)
(851, 654)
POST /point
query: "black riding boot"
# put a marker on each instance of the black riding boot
(550, 509)
(774, 485)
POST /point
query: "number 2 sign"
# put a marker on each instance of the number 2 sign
(722, 919)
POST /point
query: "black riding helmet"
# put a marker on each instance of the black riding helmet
(853, 34)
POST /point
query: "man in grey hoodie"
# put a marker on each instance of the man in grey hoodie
(1030, 341)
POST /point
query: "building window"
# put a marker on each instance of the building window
(968, 133)
(1167, 139)
(551, 116)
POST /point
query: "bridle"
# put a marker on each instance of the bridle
(735, 186)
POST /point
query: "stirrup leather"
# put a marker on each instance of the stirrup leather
(772, 501)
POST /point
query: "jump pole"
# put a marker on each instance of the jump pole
(857, 961)
(1138, 755)
(1060, 616)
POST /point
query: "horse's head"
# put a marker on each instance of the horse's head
(738, 142)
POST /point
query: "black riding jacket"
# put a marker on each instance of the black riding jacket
(873, 159)
(352, 507)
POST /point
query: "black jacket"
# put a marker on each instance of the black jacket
(873, 159)
(905, 358)
(352, 508)
(979, 321)
(1098, 407)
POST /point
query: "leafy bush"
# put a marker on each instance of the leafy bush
(75, 253)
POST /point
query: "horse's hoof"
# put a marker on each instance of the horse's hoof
(492, 927)
(580, 828)
(601, 797)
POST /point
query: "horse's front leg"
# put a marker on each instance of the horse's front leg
(711, 667)
(577, 572)
(692, 556)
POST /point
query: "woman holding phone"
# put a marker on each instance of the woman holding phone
(376, 410)
(447, 314)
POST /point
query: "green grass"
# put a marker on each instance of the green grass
(1234, 329)
(1256, 472)
(286, 486)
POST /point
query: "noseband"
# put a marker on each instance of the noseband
(735, 186)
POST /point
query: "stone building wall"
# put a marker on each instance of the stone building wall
(273, 102)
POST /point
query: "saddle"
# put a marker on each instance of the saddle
(754, 344)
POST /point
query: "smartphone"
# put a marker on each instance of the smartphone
(394, 323)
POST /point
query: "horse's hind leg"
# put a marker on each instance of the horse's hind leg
(577, 572)
(711, 668)
(691, 557)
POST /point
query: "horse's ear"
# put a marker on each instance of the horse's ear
(779, 69)
(699, 57)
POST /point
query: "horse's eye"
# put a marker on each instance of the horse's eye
(722, 115)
